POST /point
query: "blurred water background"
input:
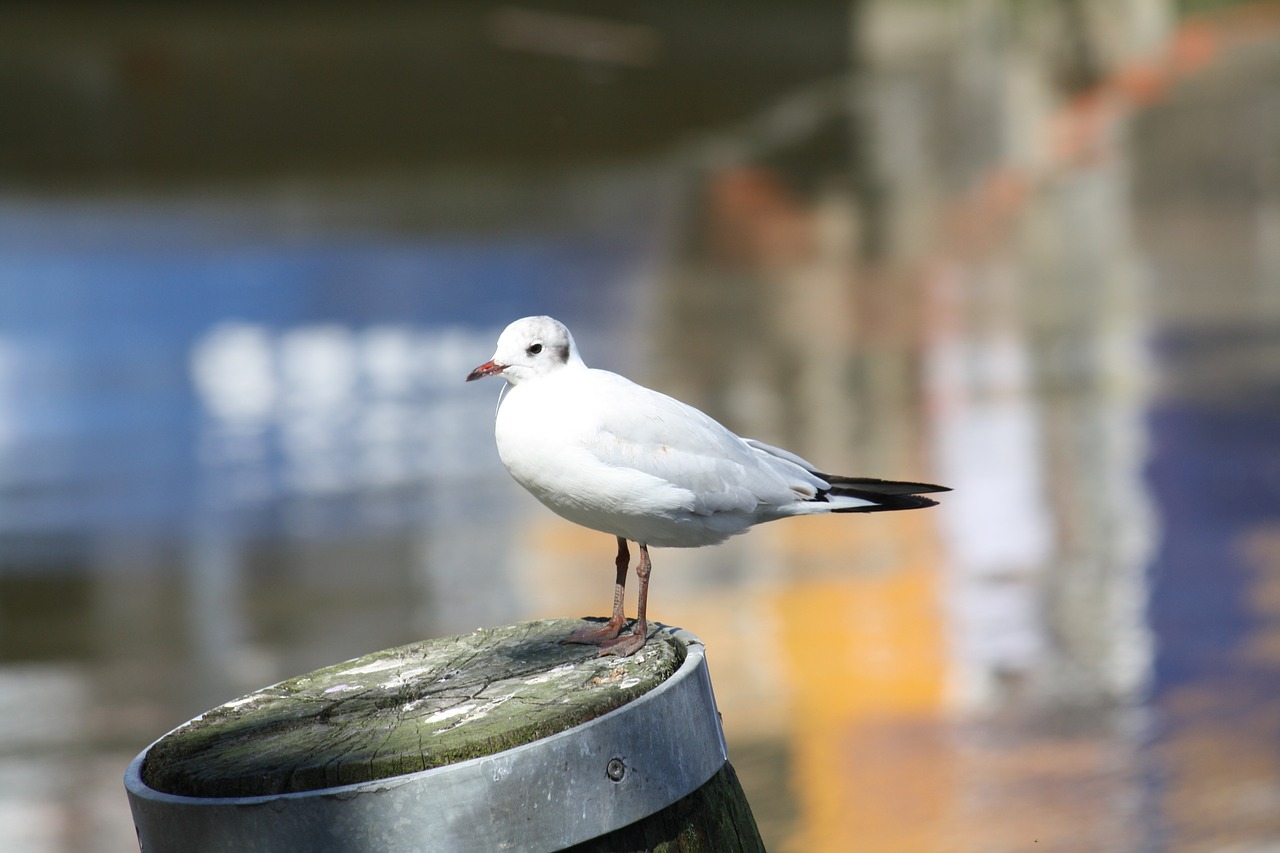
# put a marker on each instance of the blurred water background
(1027, 249)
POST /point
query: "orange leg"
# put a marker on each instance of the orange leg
(611, 629)
(633, 642)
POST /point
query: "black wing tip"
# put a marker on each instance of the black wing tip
(881, 487)
(884, 495)
(887, 503)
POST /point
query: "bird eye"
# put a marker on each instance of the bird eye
(534, 349)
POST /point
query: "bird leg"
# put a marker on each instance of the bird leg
(612, 628)
(633, 642)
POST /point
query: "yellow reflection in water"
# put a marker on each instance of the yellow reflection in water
(866, 670)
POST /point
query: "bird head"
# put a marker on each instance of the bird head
(528, 348)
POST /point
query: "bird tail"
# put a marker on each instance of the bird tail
(866, 494)
(849, 494)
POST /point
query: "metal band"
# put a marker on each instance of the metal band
(564, 789)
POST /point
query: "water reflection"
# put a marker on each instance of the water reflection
(235, 444)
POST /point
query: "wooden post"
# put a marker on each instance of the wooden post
(503, 739)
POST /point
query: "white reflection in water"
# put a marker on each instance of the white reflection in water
(234, 373)
(348, 409)
(351, 434)
(997, 524)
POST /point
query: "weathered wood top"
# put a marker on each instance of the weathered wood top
(406, 709)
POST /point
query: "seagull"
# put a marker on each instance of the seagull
(617, 457)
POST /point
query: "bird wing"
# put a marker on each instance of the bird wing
(659, 436)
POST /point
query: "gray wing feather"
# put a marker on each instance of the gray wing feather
(664, 438)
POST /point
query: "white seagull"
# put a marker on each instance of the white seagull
(620, 458)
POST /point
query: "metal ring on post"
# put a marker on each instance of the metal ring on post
(573, 786)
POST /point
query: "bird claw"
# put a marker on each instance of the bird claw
(595, 636)
(610, 639)
(625, 645)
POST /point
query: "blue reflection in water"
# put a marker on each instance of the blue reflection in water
(1216, 478)
(165, 365)
(1216, 475)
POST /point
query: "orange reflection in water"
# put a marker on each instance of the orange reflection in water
(881, 757)
(867, 671)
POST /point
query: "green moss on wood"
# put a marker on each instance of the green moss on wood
(406, 709)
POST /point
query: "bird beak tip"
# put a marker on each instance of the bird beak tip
(486, 369)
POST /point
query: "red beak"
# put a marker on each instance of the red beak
(486, 369)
